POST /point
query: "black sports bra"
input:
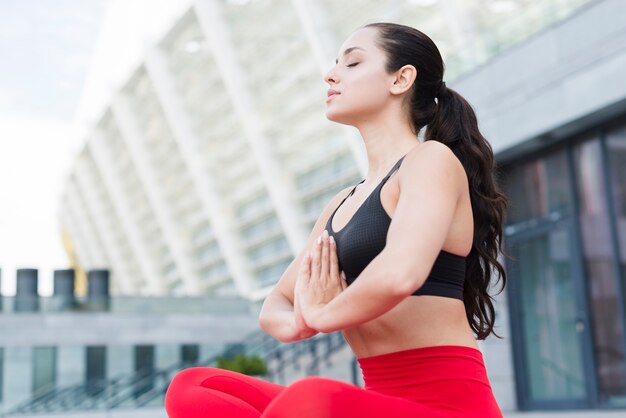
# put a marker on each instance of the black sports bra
(365, 235)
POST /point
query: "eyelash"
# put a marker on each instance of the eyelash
(352, 65)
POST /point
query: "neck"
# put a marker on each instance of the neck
(387, 138)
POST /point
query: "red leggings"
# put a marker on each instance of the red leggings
(439, 381)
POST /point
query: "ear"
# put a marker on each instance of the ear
(403, 79)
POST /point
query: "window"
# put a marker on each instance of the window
(144, 369)
(566, 235)
(190, 354)
(44, 369)
(95, 370)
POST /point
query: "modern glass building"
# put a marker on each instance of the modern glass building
(67, 356)
(205, 169)
(208, 163)
(566, 234)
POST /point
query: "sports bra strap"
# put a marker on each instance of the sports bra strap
(395, 167)
(351, 191)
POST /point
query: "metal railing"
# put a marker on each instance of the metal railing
(147, 388)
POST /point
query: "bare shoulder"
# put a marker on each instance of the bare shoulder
(429, 161)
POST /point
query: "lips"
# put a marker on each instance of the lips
(331, 94)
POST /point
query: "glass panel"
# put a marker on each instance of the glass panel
(538, 188)
(44, 368)
(190, 354)
(95, 371)
(553, 357)
(615, 380)
(600, 277)
(144, 366)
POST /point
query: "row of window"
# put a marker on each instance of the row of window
(98, 364)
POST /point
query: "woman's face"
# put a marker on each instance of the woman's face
(360, 78)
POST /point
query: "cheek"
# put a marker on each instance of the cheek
(363, 95)
(370, 95)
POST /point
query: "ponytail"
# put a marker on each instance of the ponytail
(450, 119)
(454, 124)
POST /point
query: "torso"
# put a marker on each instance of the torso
(417, 321)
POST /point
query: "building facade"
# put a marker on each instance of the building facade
(206, 168)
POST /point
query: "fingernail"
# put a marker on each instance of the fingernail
(332, 239)
(325, 234)
(319, 240)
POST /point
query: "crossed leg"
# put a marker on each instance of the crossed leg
(318, 397)
(201, 392)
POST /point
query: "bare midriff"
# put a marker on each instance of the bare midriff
(417, 321)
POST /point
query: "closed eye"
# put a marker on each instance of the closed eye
(352, 65)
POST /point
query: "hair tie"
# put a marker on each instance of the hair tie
(442, 87)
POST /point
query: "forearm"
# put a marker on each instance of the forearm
(277, 318)
(376, 291)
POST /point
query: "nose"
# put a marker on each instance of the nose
(330, 77)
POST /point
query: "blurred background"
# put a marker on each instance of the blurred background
(162, 162)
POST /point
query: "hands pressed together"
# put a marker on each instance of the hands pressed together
(318, 282)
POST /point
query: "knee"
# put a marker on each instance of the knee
(314, 386)
(311, 383)
(193, 376)
(303, 396)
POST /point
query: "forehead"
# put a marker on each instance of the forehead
(364, 38)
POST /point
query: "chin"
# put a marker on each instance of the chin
(338, 117)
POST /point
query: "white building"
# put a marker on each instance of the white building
(207, 159)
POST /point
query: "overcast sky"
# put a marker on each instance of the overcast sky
(45, 51)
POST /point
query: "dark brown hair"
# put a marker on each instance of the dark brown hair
(452, 121)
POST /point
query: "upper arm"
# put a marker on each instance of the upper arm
(430, 181)
(287, 281)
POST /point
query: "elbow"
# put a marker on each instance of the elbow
(272, 330)
(407, 282)
(263, 316)
(265, 323)
(262, 322)
(276, 325)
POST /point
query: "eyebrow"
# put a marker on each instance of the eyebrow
(347, 51)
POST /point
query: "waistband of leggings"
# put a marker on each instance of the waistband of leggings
(423, 352)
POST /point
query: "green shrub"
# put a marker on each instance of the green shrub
(250, 365)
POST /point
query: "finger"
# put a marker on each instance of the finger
(334, 261)
(325, 263)
(315, 259)
(343, 280)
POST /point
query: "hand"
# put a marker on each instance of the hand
(318, 280)
(302, 330)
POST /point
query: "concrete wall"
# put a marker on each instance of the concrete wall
(110, 328)
(564, 79)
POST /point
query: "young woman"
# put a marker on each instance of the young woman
(400, 263)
